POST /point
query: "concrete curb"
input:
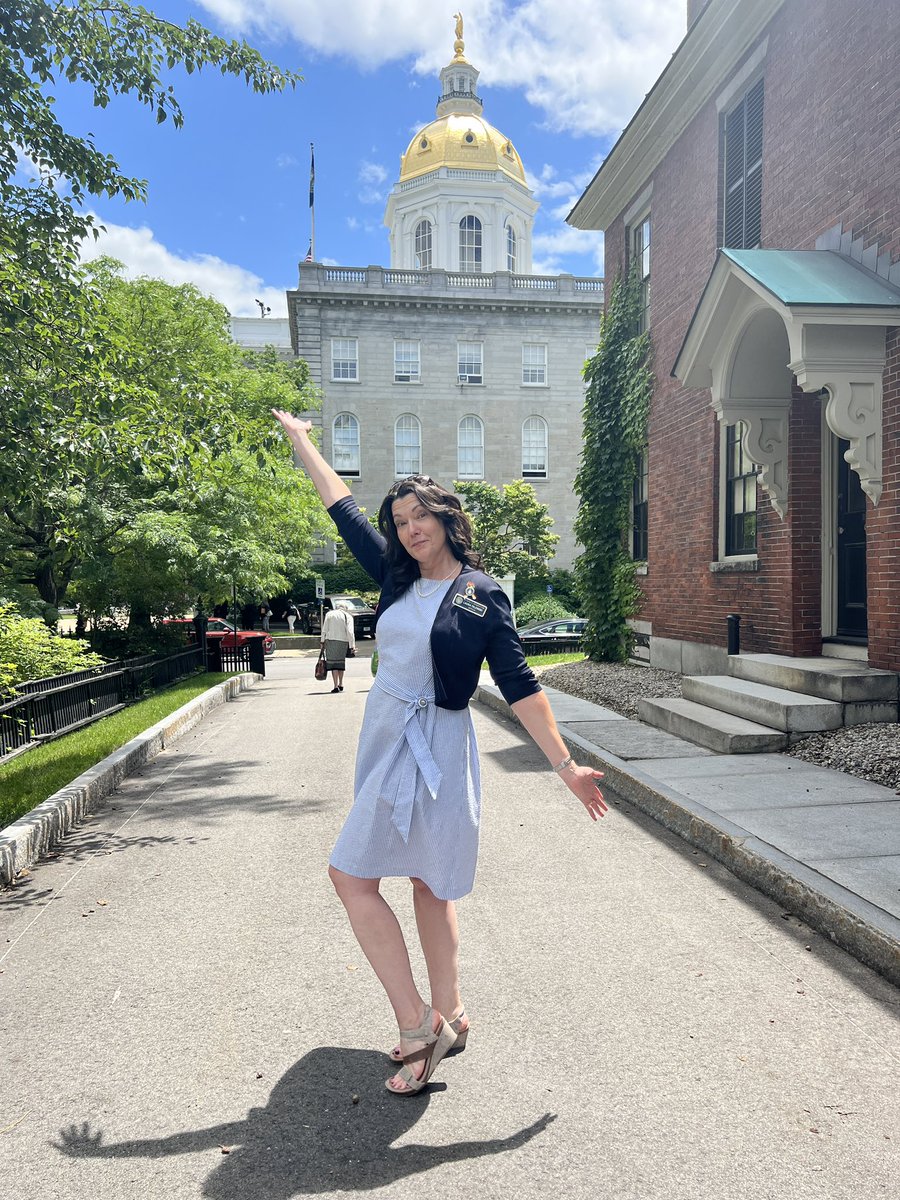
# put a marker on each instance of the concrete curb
(23, 842)
(869, 934)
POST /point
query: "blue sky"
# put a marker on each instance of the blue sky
(228, 205)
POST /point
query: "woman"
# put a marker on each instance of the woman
(417, 792)
(338, 637)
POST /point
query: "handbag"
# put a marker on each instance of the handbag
(321, 669)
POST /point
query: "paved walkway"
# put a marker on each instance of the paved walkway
(824, 843)
(184, 1012)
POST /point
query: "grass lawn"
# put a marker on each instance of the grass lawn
(33, 776)
(551, 660)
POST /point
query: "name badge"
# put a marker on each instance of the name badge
(468, 602)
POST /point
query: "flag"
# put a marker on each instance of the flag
(312, 174)
(309, 256)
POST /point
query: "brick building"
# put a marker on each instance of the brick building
(757, 186)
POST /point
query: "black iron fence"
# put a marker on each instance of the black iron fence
(47, 708)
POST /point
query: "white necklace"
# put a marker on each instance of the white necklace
(437, 583)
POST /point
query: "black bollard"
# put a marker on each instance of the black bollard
(734, 633)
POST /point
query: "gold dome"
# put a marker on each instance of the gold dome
(460, 140)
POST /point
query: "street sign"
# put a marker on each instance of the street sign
(320, 588)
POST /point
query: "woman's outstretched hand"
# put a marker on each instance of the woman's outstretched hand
(293, 426)
(583, 782)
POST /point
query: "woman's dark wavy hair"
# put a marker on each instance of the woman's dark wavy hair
(445, 506)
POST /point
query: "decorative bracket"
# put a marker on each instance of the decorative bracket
(765, 441)
(847, 364)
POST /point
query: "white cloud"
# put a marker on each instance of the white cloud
(550, 250)
(234, 286)
(586, 64)
(286, 160)
(371, 177)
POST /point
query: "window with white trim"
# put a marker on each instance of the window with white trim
(639, 250)
(742, 149)
(407, 446)
(423, 246)
(345, 359)
(407, 367)
(470, 448)
(534, 448)
(512, 248)
(470, 257)
(534, 364)
(470, 362)
(740, 494)
(345, 445)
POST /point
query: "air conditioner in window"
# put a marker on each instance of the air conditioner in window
(470, 379)
(404, 378)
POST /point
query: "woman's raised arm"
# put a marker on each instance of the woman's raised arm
(327, 482)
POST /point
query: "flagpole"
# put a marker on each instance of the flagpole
(312, 202)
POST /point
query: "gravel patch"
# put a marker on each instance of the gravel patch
(867, 751)
(617, 686)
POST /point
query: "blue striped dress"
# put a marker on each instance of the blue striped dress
(417, 792)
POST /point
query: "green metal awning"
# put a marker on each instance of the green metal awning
(819, 278)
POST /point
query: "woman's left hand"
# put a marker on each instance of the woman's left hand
(583, 782)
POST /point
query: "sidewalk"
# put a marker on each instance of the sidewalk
(186, 1014)
(823, 844)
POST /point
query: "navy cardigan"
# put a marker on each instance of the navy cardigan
(461, 637)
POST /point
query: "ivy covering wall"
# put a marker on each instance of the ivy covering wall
(616, 408)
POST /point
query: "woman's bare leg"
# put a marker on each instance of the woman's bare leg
(381, 939)
(439, 937)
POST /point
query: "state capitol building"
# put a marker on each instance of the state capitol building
(455, 361)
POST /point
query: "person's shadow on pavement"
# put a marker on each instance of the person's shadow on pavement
(311, 1137)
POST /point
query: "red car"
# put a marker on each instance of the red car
(218, 628)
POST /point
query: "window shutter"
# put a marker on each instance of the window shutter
(743, 171)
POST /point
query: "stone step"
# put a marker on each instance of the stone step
(719, 731)
(838, 679)
(791, 712)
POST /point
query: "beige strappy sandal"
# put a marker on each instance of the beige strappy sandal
(462, 1036)
(437, 1043)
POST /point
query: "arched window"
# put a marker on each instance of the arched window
(470, 245)
(512, 248)
(534, 448)
(423, 246)
(345, 445)
(407, 446)
(470, 448)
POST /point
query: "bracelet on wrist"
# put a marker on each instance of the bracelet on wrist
(568, 761)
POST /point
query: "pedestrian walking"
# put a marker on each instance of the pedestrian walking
(264, 613)
(339, 640)
(292, 613)
(417, 798)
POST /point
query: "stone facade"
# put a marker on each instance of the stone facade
(375, 307)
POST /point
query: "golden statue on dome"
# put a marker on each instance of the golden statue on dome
(459, 45)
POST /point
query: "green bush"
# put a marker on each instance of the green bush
(565, 589)
(541, 608)
(29, 649)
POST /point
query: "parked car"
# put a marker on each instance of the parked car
(218, 627)
(551, 637)
(363, 615)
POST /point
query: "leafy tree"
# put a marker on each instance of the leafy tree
(169, 483)
(30, 650)
(616, 406)
(115, 48)
(513, 530)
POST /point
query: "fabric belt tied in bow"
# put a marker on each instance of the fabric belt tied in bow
(398, 788)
